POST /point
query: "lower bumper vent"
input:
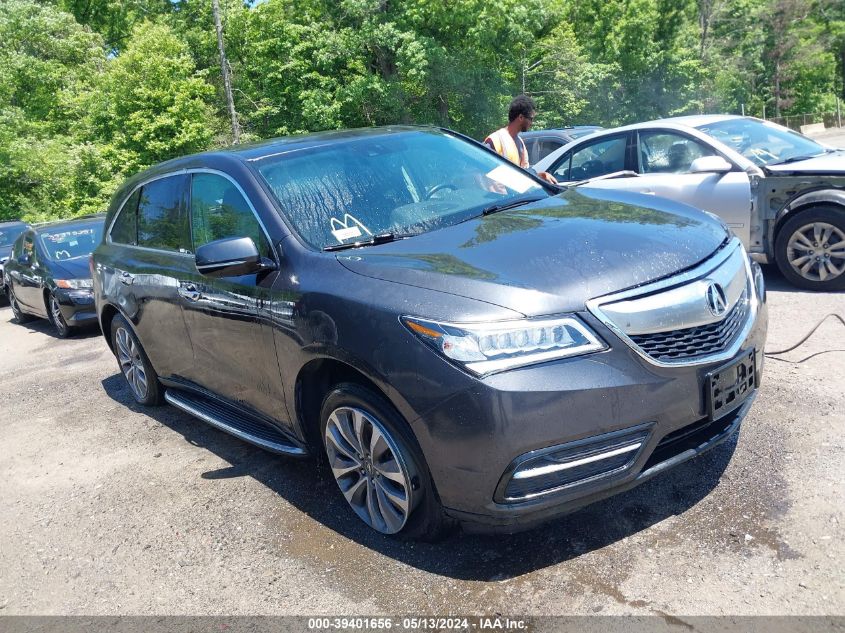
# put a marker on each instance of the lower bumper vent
(549, 470)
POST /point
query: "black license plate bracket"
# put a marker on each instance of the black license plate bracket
(728, 386)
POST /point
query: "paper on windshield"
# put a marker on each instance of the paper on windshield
(511, 178)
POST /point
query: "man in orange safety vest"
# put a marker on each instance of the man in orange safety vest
(506, 141)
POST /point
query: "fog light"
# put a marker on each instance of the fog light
(552, 469)
(759, 282)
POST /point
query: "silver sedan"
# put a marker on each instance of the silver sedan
(781, 193)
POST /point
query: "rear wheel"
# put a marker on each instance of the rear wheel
(136, 367)
(20, 315)
(810, 249)
(378, 466)
(63, 330)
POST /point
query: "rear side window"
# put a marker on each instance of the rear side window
(162, 216)
(531, 148)
(125, 227)
(546, 146)
(219, 210)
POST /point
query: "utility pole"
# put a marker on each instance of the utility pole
(227, 80)
(527, 69)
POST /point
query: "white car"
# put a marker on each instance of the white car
(781, 193)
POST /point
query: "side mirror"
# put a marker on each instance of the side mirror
(231, 257)
(710, 165)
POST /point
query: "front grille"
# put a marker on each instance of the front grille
(695, 342)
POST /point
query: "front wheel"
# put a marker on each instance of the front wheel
(63, 330)
(810, 249)
(378, 466)
(136, 367)
(20, 315)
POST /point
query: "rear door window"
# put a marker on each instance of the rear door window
(219, 210)
(546, 146)
(162, 214)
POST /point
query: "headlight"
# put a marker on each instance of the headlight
(75, 284)
(486, 348)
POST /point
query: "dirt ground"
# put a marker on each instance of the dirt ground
(108, 508)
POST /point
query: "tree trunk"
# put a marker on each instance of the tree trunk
(227, 81)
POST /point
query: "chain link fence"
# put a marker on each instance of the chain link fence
(795, 121)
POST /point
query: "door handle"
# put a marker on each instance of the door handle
(127, 278)
(189, 291)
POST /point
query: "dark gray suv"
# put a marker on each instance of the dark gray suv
(460, 341)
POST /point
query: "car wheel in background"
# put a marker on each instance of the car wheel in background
(378, 465)
(63, 330)
(136, 367)
(20, 315)
(810, 249)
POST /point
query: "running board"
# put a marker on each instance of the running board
(237, 423)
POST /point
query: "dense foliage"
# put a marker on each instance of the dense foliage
(94, 90)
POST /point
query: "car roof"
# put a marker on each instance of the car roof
(11, 223)
(83, 219)
(677, 122)
(264, 149)
(560, 130)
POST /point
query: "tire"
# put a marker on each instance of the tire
(63, 330)
(20, 315)
(393, 476)
(134, 364)
(810, 249)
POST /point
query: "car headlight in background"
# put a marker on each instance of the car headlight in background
(486, 348)
(75, 284)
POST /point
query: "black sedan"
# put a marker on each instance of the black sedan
(9, 232)
(48, 276)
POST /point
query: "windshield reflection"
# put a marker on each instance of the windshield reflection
(762, 142)
(399, 182)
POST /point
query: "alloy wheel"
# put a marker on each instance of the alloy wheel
(369, 469)
(817, 251)
(131, 363)
(57, 317)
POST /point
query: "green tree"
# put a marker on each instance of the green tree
(151, 103)
(49, 61)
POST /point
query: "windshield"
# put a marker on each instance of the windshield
(401, 183)
(71, 240)
(762, 142)
(8, 234)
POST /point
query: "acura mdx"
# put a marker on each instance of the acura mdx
(457, 340)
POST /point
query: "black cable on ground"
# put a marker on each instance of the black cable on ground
(804, 340)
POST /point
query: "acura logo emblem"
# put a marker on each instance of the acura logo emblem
(716, 300)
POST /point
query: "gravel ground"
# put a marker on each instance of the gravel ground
(112, 509)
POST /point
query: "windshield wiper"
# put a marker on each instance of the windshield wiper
(380, 238)
(795, 159)
(502, 206)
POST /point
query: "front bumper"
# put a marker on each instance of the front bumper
(472, 439)
(77, 306)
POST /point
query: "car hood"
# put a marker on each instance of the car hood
(831, 163)
(76, 268)
(550, 256)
